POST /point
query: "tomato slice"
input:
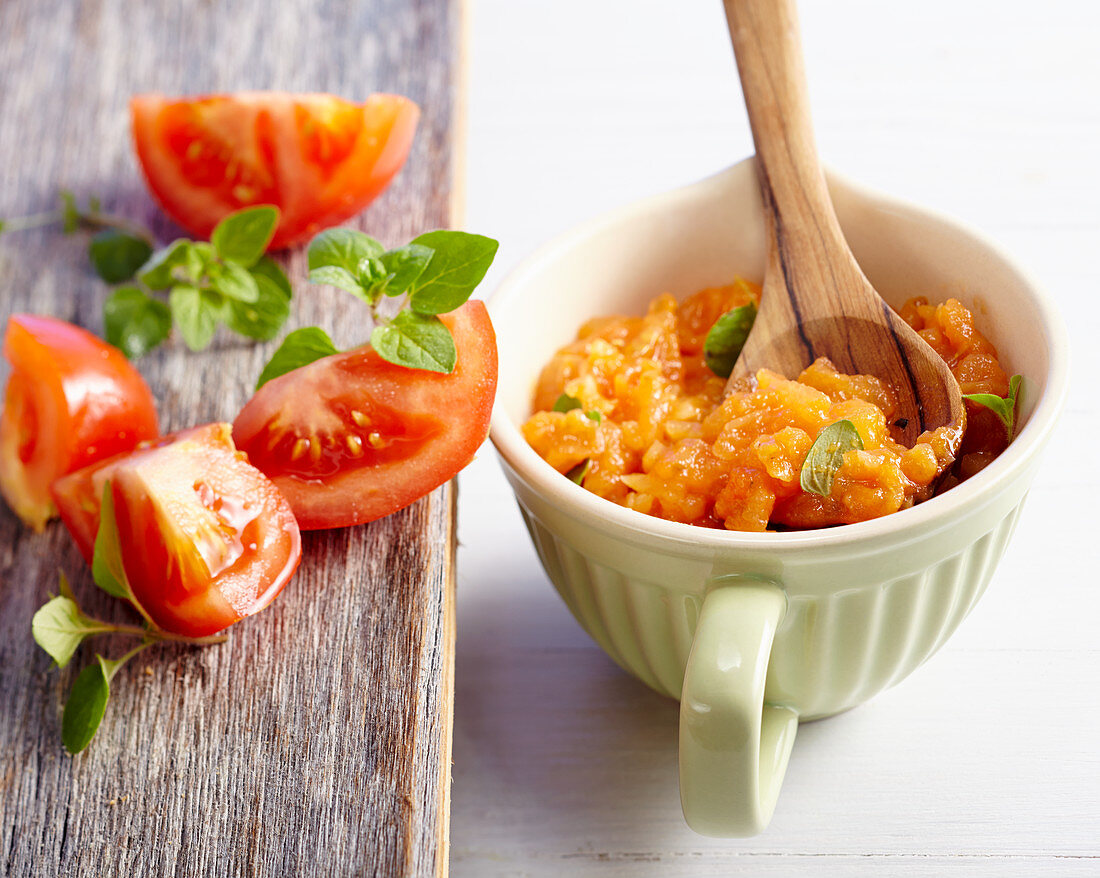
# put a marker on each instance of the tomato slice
(317, 157)
(206, 538)
(78, 494)
(71, 399)
(351, 437)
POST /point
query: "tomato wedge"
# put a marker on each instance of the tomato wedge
(206, 539)
(71, 399)
(318, 158)
(351, 437)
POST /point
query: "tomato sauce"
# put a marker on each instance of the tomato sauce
(668, 441)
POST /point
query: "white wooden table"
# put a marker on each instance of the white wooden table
(984, 762)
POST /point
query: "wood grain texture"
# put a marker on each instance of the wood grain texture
(816, 301)
(317, 740)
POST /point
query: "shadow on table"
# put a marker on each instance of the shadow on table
(552, 739)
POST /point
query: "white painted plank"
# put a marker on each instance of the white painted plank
(984, 762)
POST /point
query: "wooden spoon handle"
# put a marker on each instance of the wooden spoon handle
(800, 216)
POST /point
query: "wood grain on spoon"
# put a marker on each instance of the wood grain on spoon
(816, 300)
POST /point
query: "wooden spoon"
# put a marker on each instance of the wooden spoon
(816, 301)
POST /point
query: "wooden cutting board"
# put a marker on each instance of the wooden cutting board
(317, 740)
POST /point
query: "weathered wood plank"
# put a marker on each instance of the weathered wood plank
(317, 740)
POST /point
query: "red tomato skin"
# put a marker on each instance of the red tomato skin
(458, 405)
(165, 495)
(72, 399)
(274, 134)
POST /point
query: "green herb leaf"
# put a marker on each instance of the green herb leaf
(299, 348)
(726, 338)
(335, 276)
(233, 282)
(566, 403)
(59, 628)
(195, 313)
(86, 705)
(263, 318)
(116, 256)
(457, 266)
(135, 322)
(70, 213)
(342, 248)
(1004, 408)
(578, 472)
(416, 341)
(242, 237)
(826, 455)
(159, 272)
(2, 224)
(403, 266)
(270, 269)
(107, 569)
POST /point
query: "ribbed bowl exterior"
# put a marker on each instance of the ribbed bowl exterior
(833, 650)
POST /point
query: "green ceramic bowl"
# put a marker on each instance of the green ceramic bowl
(754, 632)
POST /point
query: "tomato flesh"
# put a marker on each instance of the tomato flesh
(351, 438)
(317, 157)
(72, 399)
(206, 538)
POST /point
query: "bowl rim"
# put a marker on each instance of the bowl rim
(972, 494)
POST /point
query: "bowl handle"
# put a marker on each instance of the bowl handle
(733, 746)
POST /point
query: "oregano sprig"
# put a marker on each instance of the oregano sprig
(60, 626)
(435, 273)
(195, 285)
(226, 281)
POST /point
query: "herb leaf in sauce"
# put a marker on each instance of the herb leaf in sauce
(826, 455)
(726, 338)
(1003, 407)
(566, 403)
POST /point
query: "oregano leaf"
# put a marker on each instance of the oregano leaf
(195, 315)
(263, 318)
(342, 248)
(117, 256)
(59, 627)
(1003, 407)
(341, 278)
(300, 348)
(107, 570)
(242, 237)
(458, 264)
(416, 341)
(566, 403)
(85, 708)
(159, 271)
(577, 473)
(234, 282)
(135, 322)
(403, 266)
(726, 338)
(826, 456)
(268, 268)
